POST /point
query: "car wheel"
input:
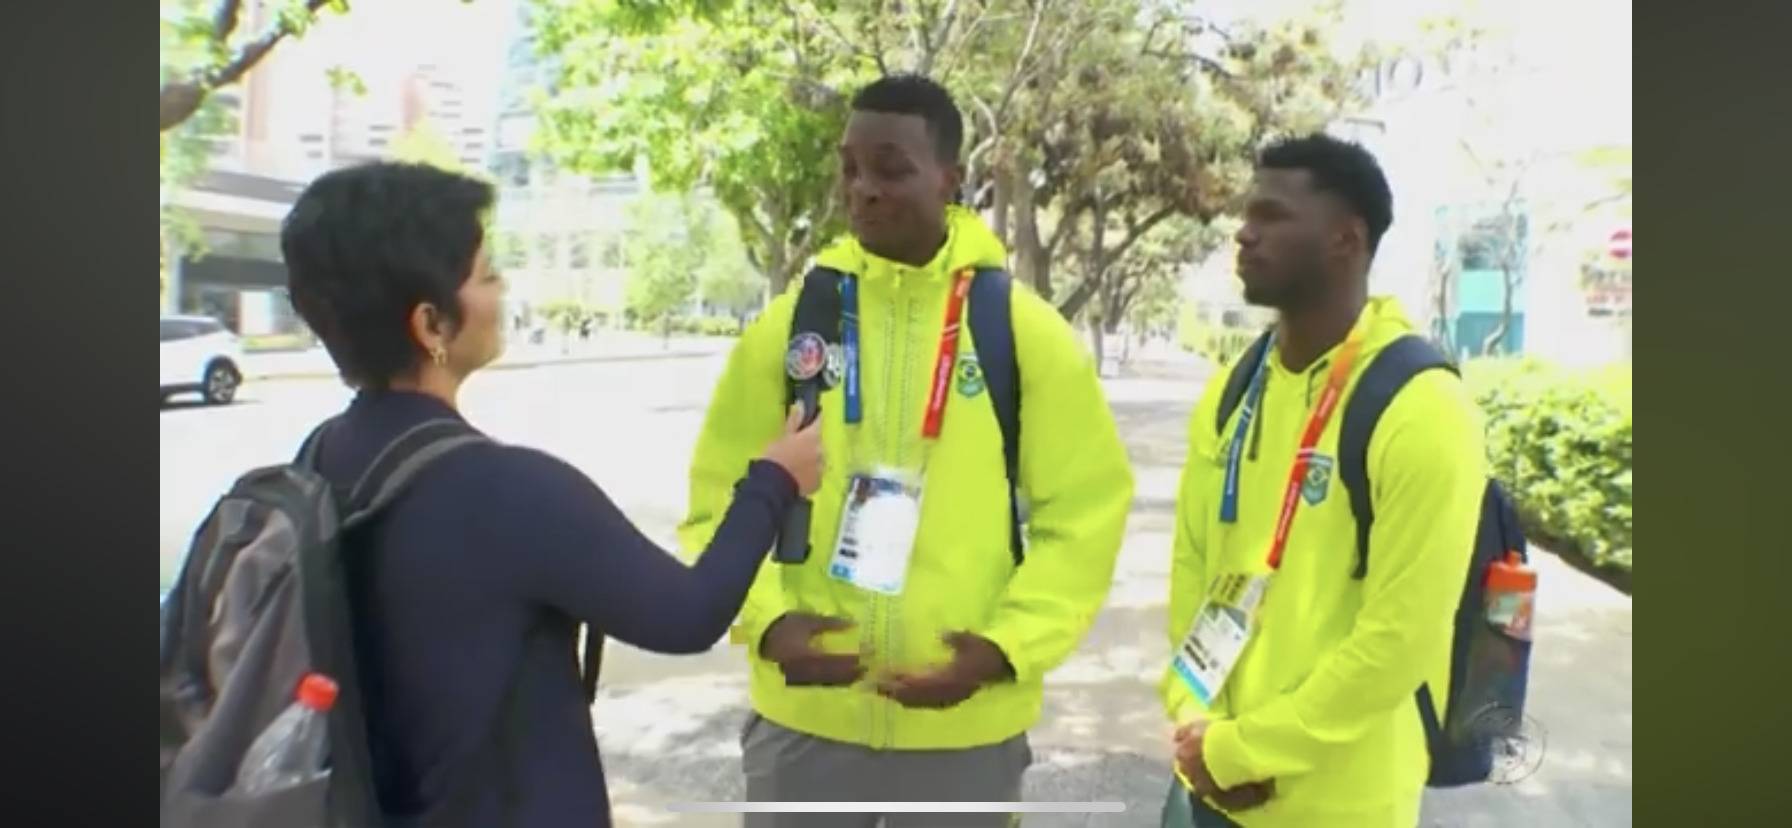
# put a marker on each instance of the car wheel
(221, 381)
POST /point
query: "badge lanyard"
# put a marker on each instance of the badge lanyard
(1328, 403)
(849, 346)
(1246, 413)
(942, 365)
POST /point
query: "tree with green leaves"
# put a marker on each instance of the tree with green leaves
(205, 47)
(705, 102)
(669, 240)
(1134, 112)
(1100, 118)
(735, 291)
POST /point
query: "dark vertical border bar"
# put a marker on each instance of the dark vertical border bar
(80, 468)
(1712, 392)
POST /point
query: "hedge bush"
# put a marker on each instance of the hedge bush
(1560, 442)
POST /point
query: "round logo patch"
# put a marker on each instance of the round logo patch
(835, 369)
(1518, 742)
(970, 376)
(807, 356)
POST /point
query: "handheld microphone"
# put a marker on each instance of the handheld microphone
(816, 367)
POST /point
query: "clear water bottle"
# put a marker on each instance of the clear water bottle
(293, 749)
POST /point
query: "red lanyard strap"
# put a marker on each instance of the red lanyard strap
(1328, 402)
(942, 364)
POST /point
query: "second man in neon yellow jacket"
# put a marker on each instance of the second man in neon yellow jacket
(942, 680)
(1316, 723)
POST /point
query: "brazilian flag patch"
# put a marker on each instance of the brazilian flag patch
(1318, 481)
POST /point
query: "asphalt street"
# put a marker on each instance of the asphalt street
(669, 726)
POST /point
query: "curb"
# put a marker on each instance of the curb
(512, 366)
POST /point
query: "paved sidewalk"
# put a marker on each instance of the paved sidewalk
(669, 726)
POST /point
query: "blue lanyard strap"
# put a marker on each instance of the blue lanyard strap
(849, 320)
(1253, 397)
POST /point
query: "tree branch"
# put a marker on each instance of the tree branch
(877, 38)
(1066, 223)
(1020, 62)
(1073, 304)
(180, 99)
(1138, 231)
(963, 42)
(224, 19)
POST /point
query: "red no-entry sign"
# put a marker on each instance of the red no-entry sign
(1618, 246)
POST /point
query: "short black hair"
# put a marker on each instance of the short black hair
(1342, 168)
(365, 245)
(911, 94)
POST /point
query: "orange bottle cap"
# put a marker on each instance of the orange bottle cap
(1511, 575)
(317, 691)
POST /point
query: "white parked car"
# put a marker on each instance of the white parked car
(200, 355)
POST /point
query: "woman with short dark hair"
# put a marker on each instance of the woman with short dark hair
(493, 546)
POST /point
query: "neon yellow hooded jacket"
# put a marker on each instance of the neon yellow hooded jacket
(1073, 472)
(1321, 700)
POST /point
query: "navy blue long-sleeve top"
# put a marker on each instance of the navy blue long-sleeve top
(487, 542)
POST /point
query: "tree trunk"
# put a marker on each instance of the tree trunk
(1094, 265)
(1032, 261)
(999, 210)
(1100, 343)
(778, 269)
(178, 103)
(1498, 334)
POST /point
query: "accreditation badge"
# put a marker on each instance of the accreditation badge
(878, 525)
(1221, 629)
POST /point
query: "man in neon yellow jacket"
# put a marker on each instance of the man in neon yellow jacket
(1315, 723)
(923, 693)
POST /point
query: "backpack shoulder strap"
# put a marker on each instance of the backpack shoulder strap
(1238, 380)
(400, 461)
(817, 311)
(992, 328)
(1388, 372)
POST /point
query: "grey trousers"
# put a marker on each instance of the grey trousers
(783, 765)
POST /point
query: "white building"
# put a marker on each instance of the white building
(293, 124)
(1556, 84)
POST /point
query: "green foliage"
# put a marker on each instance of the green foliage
(670, 239)
(564, 315)
(1220, 344)
(734, 290)
(345, 79)
(1101, 106)
(1561, 444)
(703, 103)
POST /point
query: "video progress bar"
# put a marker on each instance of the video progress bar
(897, 807)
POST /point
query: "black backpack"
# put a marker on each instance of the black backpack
(1488, 669)
(818, 311)
(261, 601)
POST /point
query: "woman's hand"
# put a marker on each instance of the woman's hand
(798, 452)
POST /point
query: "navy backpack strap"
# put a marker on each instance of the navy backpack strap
(1238, 381)
(817, 311)
(1388, 372)
(401, 461)
(992, 329)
